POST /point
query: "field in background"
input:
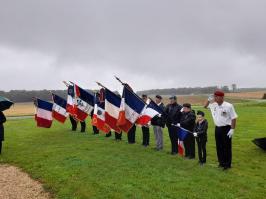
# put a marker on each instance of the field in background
(21, 109)
(75, 165)
(248, 95)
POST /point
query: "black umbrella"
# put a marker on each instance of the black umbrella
(5, 103)
(260, 142)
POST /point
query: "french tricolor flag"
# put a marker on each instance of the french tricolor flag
(84, 103)
(130, 109)
(150, 111)
(98, 118)
(112, 108)
(59, 108)
(182, 134)
(71, 101)
(43, 116)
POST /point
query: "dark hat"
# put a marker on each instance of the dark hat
(159, 96)
(172, 97)
(201, 113)
(187, 105)
(219, 93)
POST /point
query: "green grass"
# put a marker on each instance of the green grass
(75, 165)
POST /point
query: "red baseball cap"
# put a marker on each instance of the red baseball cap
(219, 93)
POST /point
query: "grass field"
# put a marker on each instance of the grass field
(75, 165)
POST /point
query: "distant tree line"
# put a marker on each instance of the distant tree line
(26, 96)
(183, 91)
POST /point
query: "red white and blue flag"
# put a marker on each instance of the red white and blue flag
(98, 118)
(112, 109)
(71, 106)
(43, 116)
(59, 108)
(130, 109)
(182, 134)
(84, 103)
(150, 111)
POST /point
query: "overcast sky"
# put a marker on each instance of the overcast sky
(148, 43)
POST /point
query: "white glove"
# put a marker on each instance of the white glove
(230, 133)
(195, 134)
(178, 124)
(210, 98)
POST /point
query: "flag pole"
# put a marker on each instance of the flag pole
(130, 90)
(67, 84)
(99, 84)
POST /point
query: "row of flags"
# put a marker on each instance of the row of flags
(111, 112)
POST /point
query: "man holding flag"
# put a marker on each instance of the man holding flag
(130, 109)
(173, 116)
(187, 122)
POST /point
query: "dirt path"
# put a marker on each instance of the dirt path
(15, 184)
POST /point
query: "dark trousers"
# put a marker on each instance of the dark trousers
(172, 130)
(118, 136)
(83, 126)
(95, 130)
(73, 123)
(0, 147)
(223, 146)
(131, 135)
(146, 135)
(108, 134)
(189, 144)
(201, 142)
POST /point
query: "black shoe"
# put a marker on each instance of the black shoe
(174, 153)
(226, 168)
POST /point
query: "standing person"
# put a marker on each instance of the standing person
(200, 132)
(131, 135)
(158, 130)
(224, 117)
(74, 123)
(2, 133)
(187, 122)
(83, 126)
(173, 116)
(145, 129)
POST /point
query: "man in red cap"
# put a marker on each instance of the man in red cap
(224, 117)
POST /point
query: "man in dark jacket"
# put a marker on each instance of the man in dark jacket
(157, 128)
(173, 116)
(200, 132)
(2, 133)
(187, 122)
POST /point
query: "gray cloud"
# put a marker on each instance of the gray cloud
(149, 43)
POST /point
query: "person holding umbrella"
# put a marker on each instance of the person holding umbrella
(4, 105)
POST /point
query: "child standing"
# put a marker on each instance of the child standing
(200, 132)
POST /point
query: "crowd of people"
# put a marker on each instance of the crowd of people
(175, 115)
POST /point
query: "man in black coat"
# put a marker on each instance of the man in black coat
(173, 116)
(2, 121)
(187, 122)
